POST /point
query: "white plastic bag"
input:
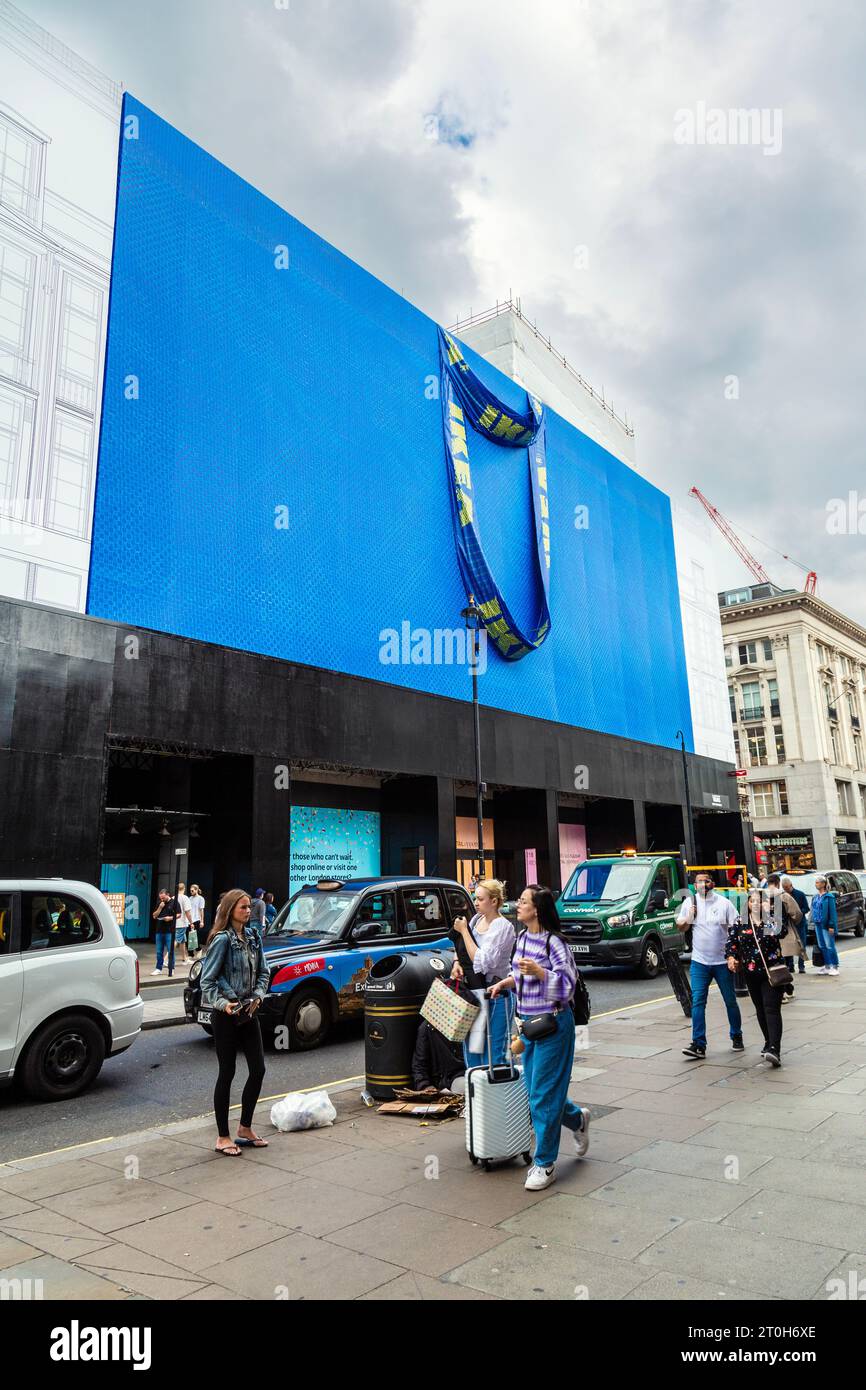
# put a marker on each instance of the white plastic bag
(298, 1111)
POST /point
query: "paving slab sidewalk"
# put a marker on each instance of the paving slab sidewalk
(697, 1186)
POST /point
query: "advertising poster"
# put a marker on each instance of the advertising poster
(330, 843)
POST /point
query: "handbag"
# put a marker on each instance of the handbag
(449, 1011)
(778, 975)
(192, 940)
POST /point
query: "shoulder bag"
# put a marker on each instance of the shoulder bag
(778, 975)
(538, 1025)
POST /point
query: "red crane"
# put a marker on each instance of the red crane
(752, 565)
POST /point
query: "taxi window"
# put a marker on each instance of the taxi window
(5, 923)
(381, 910)
(49, 920)
(423, 909)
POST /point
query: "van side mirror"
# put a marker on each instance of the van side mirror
(658, 900)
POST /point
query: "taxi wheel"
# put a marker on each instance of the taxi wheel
(63, 1058)
(308, 1019)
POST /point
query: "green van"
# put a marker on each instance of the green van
(621, 910)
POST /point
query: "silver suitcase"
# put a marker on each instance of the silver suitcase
(498, 1124)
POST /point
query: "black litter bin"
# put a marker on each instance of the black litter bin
(396, 988)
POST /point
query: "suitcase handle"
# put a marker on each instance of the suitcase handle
(510, 1069)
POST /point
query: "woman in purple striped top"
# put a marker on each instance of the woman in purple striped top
(543, 974)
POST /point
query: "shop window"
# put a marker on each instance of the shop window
(49, 920)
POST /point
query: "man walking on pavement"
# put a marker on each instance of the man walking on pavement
(709, 914)
(803, 926)
(785, 910)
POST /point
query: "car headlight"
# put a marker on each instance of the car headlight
(195, 971)
(622, 919)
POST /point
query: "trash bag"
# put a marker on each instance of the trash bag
(299, 1111)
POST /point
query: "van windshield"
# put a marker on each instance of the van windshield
(598, 882)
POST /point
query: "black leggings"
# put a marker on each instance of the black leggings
(230, 1038)
(767, 1000)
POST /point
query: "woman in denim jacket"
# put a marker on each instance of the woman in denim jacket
(234, 981)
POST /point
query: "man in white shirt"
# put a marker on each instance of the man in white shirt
(196, 914)
(182, 921)
(709, 914)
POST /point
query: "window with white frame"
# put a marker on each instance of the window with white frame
(769, 799)
(751, 692)
(78, 358)
(768, 649)
(780, 743)
(844, 791)
(757, 746)
(17, 276)
(835, 746)
(863, 801)
(20, 170)
(858, 753)
(69, 477)
(748, 653)
(16, 425)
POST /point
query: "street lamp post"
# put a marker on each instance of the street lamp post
(690, 827)
(472, 617)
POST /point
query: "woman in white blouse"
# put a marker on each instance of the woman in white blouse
(484, 948)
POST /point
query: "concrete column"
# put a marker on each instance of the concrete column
(271, 828)
(446, 843)
(640, 835)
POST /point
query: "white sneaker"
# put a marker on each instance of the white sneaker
(156, 972)
(823, 970)
(833, 970)
(581, 1136)
(537, 1178)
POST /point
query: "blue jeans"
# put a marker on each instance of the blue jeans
(498, 1019)
(165, 947)
(701, 975)
(827, 944)
(547, 1067)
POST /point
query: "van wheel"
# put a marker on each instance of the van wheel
(308, 1019)
(651, 960)
(63, 1058)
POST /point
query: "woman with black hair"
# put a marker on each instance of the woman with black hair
(543, 975)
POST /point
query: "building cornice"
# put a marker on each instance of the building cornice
(791, 605)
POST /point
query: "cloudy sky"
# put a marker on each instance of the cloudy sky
(461, 150)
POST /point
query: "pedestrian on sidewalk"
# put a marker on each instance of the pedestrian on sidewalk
(183, 922)
(543, 974)
(825, 920)
(754, 943)
(164, 916)
(234, 981)
(270, 909)
(257, 909)
(710, 915)
(802, 926)
(196, 917)
(785, 908)
(483, 948)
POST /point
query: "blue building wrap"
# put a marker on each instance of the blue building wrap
(272, 474)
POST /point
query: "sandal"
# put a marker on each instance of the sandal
(230, 1150)
(251, 1143)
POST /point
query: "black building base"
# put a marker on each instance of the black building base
(214, 746)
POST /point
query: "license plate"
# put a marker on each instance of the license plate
(580, 950)
(204, 1015)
